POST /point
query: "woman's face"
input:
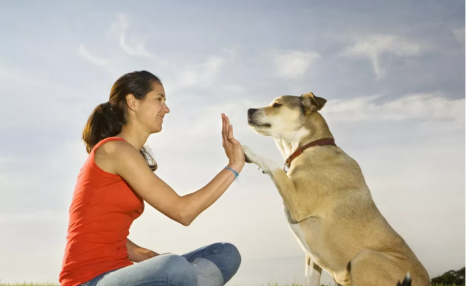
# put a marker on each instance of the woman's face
(153, 109)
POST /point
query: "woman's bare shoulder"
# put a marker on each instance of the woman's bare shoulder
(106, 156)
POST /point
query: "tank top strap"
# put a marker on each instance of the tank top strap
(114, 138)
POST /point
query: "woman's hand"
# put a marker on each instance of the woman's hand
(233, 148)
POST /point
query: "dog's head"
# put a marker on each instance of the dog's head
(284, 114)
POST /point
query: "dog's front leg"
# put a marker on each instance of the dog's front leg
(312, 273)
(284, 184)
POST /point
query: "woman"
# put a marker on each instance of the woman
(111, 189)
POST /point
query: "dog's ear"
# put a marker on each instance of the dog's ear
(312, 103)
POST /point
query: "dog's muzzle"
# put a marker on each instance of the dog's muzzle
(252, 120)
(251, 112)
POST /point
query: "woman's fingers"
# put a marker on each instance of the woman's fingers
(227, 131)
(227, 126)
(233, 140)
(230, 132)
(224, 129)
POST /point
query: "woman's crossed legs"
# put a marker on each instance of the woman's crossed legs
(211, 265)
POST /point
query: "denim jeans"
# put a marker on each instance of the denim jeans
(211, 265)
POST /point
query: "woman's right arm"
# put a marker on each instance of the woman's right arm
(131, 166)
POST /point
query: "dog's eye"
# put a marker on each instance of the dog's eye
(277, 105)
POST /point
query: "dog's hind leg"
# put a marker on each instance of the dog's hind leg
(375, 268)
(312, 273)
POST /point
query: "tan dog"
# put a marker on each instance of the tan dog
(327, 202)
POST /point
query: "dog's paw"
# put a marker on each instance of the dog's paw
(248, 154)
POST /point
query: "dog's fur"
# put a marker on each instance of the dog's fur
(327, 202)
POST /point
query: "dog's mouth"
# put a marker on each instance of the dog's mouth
(250, 122)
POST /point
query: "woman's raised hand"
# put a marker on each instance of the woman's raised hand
(233, 148)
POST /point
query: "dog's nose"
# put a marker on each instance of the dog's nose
(251, 112)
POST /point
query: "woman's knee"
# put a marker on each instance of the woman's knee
(232, 253)
(231, 260)
(180, 272)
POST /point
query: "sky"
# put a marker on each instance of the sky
(393, 74)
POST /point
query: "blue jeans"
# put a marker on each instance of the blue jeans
(177, 270)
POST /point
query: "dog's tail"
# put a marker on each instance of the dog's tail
(406, 281)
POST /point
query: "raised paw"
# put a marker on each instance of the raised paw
(248, 154)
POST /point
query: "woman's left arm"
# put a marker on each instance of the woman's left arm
(137, 253)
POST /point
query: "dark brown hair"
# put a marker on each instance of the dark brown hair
(107, 118)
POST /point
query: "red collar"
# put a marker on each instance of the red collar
(299, 151)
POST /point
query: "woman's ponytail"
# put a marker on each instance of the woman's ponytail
(101, 124)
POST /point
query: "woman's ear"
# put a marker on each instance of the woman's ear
(131, 101)
(312, 103)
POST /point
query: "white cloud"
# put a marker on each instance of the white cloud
(200, 74)
(93, 59)
(136, 46)
(295, 64)
(373, 47)
(178, 72)
(414, 106)
(459, 35)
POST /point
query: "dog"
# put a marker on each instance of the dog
(327, 203)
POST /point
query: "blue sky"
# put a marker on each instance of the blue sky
(392, 71)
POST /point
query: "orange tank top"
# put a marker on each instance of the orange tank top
(102, 210)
